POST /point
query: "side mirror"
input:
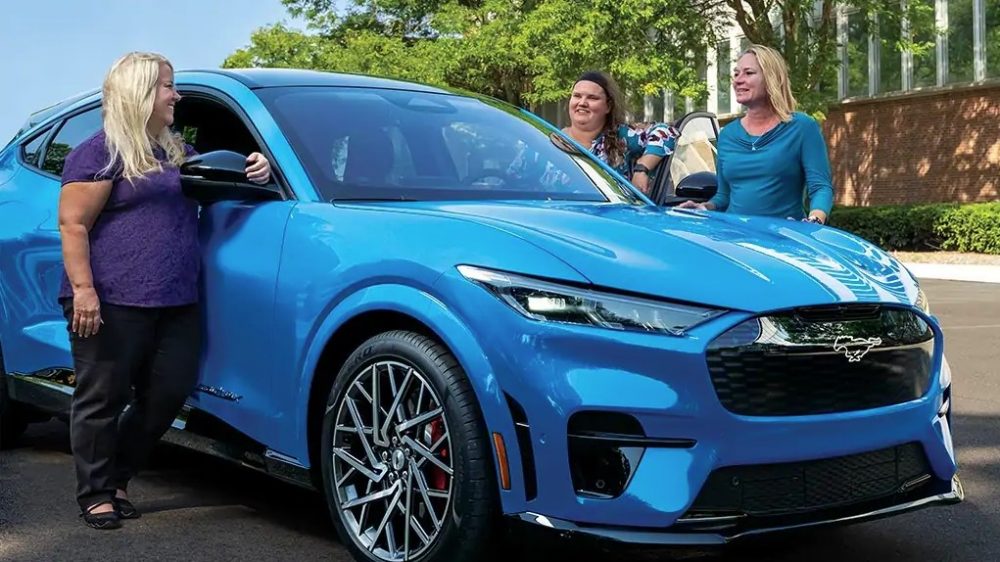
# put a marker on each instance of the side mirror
(221, 176)
(699, 186)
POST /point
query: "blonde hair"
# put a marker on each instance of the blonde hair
(128, 95)
(775, 73)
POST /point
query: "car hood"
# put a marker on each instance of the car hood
(732, 261)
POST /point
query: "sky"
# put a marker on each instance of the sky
(53, 49)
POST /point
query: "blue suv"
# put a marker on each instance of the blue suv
(441, 310)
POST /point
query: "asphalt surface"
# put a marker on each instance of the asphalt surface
(199, 509)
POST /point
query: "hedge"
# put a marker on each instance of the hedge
(973, 227)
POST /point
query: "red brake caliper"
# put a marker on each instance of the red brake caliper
(438, 479)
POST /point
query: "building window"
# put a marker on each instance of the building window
(890, 60)
(723, 71)
(992, 43)
(857, 55)
(960, 33)
(924, 33)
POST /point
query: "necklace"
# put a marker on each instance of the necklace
(755, 138)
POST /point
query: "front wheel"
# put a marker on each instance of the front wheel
(406, 464)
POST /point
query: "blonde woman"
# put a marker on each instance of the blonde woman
(130, 293)
(772, 156)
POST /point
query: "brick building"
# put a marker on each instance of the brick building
(938, 145)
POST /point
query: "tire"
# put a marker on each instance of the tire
(12, 424)
(452, 515)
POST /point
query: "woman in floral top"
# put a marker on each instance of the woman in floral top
(597, 119)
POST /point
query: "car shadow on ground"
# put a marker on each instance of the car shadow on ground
(186, 480)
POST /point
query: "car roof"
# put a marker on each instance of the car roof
(255, 78)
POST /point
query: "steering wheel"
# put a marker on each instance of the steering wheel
(492, 173)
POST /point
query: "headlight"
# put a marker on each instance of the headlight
(544, 301)
(921, 302)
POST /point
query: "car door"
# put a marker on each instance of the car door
(693, 161)
(241, 245)
(33, 329)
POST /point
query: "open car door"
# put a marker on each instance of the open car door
(689, 173)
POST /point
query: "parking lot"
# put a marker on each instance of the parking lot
(199, 509)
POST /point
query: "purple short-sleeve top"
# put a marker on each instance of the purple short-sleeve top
(144, 244)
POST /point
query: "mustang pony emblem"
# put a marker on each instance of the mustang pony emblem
(855, 348)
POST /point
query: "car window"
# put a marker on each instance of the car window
(696, 149)
(32, 150)
(75, 130)
(483, 155)
(208, 125)
(390, 144)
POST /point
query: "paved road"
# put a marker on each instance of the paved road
(199, 509)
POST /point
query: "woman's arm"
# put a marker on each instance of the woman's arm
(79, 205)
(653, 142)
(816, 165)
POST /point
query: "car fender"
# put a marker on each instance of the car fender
(433, 313)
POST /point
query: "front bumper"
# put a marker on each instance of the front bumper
(547, 375)
(707, 533)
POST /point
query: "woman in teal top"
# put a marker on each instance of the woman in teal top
(773, 157)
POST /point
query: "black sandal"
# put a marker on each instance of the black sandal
(125, 509)
(101, 521)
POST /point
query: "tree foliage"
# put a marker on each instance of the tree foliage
(524, 51)
(530, 51)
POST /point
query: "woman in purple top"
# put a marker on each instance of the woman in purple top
(130, 293)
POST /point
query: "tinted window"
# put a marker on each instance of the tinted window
(32, 150)
(390, 144)
(74, 131)
(208, 125)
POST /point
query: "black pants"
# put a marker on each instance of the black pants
(142, 358)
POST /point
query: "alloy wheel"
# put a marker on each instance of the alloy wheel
(392, 465)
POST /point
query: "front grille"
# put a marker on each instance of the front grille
(808, 362)
(786, 488)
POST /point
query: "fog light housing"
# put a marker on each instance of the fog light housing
(601, 457)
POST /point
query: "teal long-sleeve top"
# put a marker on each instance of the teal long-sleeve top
(768, 175)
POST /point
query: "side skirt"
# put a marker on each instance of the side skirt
(51, 391)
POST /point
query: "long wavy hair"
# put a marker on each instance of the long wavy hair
(614, 146)
(774, 70)
(128, 95)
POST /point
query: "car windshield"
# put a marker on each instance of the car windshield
(379, 144)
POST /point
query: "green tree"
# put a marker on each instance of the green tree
(523, 51)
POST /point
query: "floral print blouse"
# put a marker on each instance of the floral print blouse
(640, 139)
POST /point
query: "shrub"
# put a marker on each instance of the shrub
(971, 227)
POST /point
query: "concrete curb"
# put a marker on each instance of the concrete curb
(956, 272)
